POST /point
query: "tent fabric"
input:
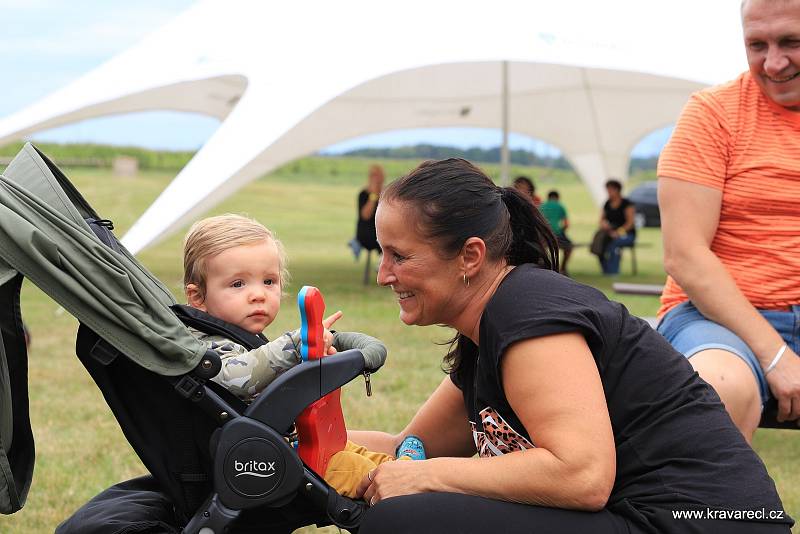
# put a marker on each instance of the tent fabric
(46, 239)
(592, 78)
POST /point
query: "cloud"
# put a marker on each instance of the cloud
(26, 5)
(91, 29)
(47, 43)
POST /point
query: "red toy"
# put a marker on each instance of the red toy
(320, 427)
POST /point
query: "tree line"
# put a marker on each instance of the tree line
(483, 155)
(96, 155)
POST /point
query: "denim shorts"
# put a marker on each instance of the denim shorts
(689, 332)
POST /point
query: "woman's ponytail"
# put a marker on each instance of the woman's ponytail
(533, 240)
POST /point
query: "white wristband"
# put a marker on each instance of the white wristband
(775, 360)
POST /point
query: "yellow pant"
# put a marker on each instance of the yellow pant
(349, 466)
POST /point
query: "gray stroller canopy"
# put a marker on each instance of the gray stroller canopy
(44, 236)
(50, 234)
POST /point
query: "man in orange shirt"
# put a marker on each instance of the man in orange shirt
(729, 193)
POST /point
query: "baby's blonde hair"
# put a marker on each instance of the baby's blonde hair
(214, 235)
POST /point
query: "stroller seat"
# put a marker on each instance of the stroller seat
(216, 464)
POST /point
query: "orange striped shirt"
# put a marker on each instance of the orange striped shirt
(735, 139)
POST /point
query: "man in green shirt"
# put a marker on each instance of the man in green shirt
(556, 215)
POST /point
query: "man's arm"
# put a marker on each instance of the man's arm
(689, 219)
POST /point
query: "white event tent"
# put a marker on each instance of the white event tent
(289, 78)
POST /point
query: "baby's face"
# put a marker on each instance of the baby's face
(243, 286)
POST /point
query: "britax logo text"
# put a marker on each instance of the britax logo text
(254, 468)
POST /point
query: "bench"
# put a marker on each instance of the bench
(367, 274)
(632, 248)
(637, 289)
(356, 248)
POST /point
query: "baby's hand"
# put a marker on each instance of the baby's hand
(327, 336)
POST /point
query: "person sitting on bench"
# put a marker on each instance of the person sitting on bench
(617, 222)
(367, 204)
(728, 190)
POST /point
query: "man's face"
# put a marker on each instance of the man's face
(772, 42)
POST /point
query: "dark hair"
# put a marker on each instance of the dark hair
(522, 179)
(552, 195)
(455, 200)
(616, 184)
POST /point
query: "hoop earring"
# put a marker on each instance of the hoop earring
(466, 280)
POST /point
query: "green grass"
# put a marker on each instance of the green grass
(310, 203)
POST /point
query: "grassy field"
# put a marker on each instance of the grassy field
(311, 205)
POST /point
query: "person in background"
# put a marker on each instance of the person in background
(617, 221)
(524, 185)
(556, 215)
(367, 204)
(728, 191)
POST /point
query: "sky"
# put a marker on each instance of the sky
(45, 44)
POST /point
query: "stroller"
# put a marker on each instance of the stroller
(194, 437)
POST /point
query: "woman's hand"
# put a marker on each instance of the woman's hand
(392, 479)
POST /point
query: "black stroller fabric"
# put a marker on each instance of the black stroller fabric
(139, 506)
(133, 506)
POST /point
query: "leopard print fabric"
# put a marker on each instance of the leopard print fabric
(496, 437)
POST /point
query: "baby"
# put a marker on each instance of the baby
(235, 270)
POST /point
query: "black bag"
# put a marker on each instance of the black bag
(600, 241)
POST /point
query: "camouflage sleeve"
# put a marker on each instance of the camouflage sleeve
(247, 372)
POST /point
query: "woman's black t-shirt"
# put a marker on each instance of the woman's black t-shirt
(365, 229)
(676, 447)
(616, 216)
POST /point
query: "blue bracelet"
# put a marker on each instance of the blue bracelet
(411, 447)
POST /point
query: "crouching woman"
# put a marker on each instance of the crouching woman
(583, 418)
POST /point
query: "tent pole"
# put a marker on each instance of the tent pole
(504, 159)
